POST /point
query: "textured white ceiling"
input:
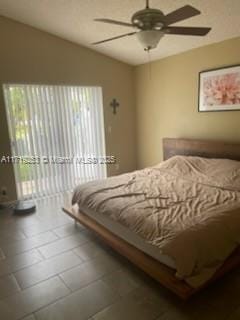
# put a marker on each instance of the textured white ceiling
(73, 20)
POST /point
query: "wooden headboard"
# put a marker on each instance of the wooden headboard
(200, 148)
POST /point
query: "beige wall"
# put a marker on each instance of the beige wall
(167, 102)
(31, 56)
(166, 97)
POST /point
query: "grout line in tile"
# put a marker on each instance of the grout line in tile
(42, 256)
(23, 231)
(73, 292)
(21, 268)
(55, 255)
(86, 285)
(69, 235)
(59, 275)
(51, 229)
(27, 315)
(39, 233)
(108, 306)
(26, 250)
(13, 293)
(47, 305)
(52, 276)
(19, 287)
(56, 233)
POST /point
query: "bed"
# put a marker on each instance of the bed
(139, 243)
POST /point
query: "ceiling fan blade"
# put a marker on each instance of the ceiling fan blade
(187, 31)
(120, 23)
(117, 37)
(180, 14)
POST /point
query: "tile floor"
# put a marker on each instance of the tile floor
(52, 269)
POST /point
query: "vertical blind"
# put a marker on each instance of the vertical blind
(57, 137)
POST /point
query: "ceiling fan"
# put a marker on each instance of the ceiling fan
(153, 25)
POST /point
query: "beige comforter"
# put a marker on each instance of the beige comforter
(189, 207)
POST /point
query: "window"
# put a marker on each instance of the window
(56, 132)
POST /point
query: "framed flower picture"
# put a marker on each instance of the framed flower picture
(219, 89)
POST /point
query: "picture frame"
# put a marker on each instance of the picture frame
(219, 89)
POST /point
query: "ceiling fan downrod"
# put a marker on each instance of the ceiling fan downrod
(147, 4)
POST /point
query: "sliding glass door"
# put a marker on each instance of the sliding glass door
(57, 137)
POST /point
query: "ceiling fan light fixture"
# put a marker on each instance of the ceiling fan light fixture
(149, 38)
(158, 26)
(152, 25)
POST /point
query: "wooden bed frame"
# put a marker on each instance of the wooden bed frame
(155, 269)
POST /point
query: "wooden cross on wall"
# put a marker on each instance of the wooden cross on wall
(114, 104)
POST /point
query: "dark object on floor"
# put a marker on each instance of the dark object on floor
(24, 207)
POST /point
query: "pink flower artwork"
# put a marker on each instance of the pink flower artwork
(222, 90)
